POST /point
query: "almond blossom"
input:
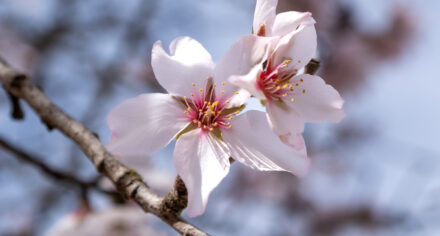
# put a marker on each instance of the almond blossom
(291, 98)
(201, 111)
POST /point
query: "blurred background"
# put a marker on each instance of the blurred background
(375, 173)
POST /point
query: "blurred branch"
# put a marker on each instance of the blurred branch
(127, 181)
(17, 152)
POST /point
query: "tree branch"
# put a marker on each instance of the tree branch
(45, 168)
(126, 180)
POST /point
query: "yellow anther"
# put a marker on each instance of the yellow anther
(200, 110)
(211, 129)
(204, 126)
(215, 85)
(229, 126)
(230, 118)
(296, 84)
(285, 85)
(215, 103)
(193, 84)
(200, 90)
(223, 83)
(292, 99)
(287, 61)
(195, 121)
(237, 112)
(284, 94)
(208, 78)
(295, 70)
(192, 94)
(236, 93)
(304, 91)
(184, 97)
(186, 112)
(301, 80)
(223, 92)
(188, 109)
(215, 124)
(227, 101)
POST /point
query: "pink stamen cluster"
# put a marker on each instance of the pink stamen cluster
(207, 110)
(276, 82)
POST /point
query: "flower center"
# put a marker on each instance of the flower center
(277, 83)
(208, 111)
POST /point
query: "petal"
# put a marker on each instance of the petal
(144, 124)
(187, 63)
(249, 82)
(240, 58)
(320, 102)
(288, 22)
(252, 142)
(239, 99)
(284, 119)
(298, 46)
(201, 164)
(265, 14)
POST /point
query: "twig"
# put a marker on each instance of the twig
(126, 180)
(58, 175)
(45, 168)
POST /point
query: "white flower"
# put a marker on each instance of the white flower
(291, 98)
(200, 112)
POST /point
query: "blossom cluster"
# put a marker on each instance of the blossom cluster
(204, 101)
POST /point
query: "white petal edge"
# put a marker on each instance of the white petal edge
(298, 46)
(320, 102)
(252, 142)
(144, 124)
(187, 63)
(265, 12)
(287, 22)
(201, 164)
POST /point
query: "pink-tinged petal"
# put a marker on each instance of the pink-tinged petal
(252, 142)
(284, 119)
(298, 46)
(249, 82)
(288, 22)
(240, 58)
(144, 124)
(319, 102)
(296, 141)
(187, 63)
(201, 164)
(265, 11)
